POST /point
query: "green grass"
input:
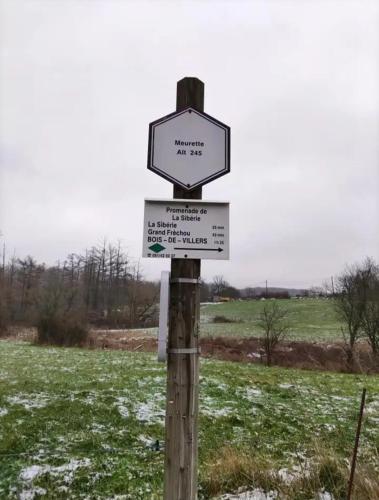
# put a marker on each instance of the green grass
(83, 421)
(309, 319)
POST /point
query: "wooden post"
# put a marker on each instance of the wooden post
(181, 444)
(356, 444)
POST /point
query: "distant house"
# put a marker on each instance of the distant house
(217, 298)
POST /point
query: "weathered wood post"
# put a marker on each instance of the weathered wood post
(180, 482)
(356, 444)
(188, 148)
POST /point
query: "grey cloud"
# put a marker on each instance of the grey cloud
(297, 82)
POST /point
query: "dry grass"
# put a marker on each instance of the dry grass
(233, 469)
(366, 484)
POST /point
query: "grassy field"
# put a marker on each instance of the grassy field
(310, 319)
(81, 424)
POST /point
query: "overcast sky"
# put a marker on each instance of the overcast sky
(297, 81)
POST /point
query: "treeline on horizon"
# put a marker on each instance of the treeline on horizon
(102, 286)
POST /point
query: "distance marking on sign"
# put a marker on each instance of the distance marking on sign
(193, 229)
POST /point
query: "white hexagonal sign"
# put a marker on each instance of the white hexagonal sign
(189, 148)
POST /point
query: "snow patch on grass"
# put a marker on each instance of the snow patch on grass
(3, 411)
(286, 386)
(325, 495)
(341, 398)
(149, 413)
(28, 401)
(296, 472)
(213, 408)
(256, 494)
(372, 407)
(31, 493)
(124, 412)
(217, 412)
(251, 393)
(143, 439)
(30, 473)
(256, 355)
(98, 428)
(329, 427)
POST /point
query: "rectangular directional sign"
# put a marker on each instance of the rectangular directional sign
(181, 229)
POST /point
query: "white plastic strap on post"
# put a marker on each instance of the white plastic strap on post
(195, 281)
(163, 316)
(185, 350)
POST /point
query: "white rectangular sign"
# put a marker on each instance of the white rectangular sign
(181, 229)
(163, 316)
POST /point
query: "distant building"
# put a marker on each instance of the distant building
(217, 298)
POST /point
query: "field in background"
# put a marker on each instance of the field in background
(77, 422)
(310, 319)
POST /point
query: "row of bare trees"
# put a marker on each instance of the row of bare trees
(101, 285)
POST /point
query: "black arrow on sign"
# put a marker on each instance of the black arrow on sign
(200, 249)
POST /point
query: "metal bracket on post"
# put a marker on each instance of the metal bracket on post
(164, 300)
(195, 281)
(185, 350)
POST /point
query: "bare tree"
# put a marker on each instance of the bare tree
(351, 302)
(205, 291)
(370, 320)
(3, 309)
(273, 321)
(317, 291)
(142, 299)
(371, 325)
(219, 284)
(29, 274)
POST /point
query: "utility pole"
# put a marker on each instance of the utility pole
(332, 280)
(181, 443)
(266, 290)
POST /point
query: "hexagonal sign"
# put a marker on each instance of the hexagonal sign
(189, 148)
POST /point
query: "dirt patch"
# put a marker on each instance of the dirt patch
(127, 340)
(291, 354)
(294, 354)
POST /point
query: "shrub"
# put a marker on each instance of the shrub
(62, 330)
(273, 321)
(224, 319)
